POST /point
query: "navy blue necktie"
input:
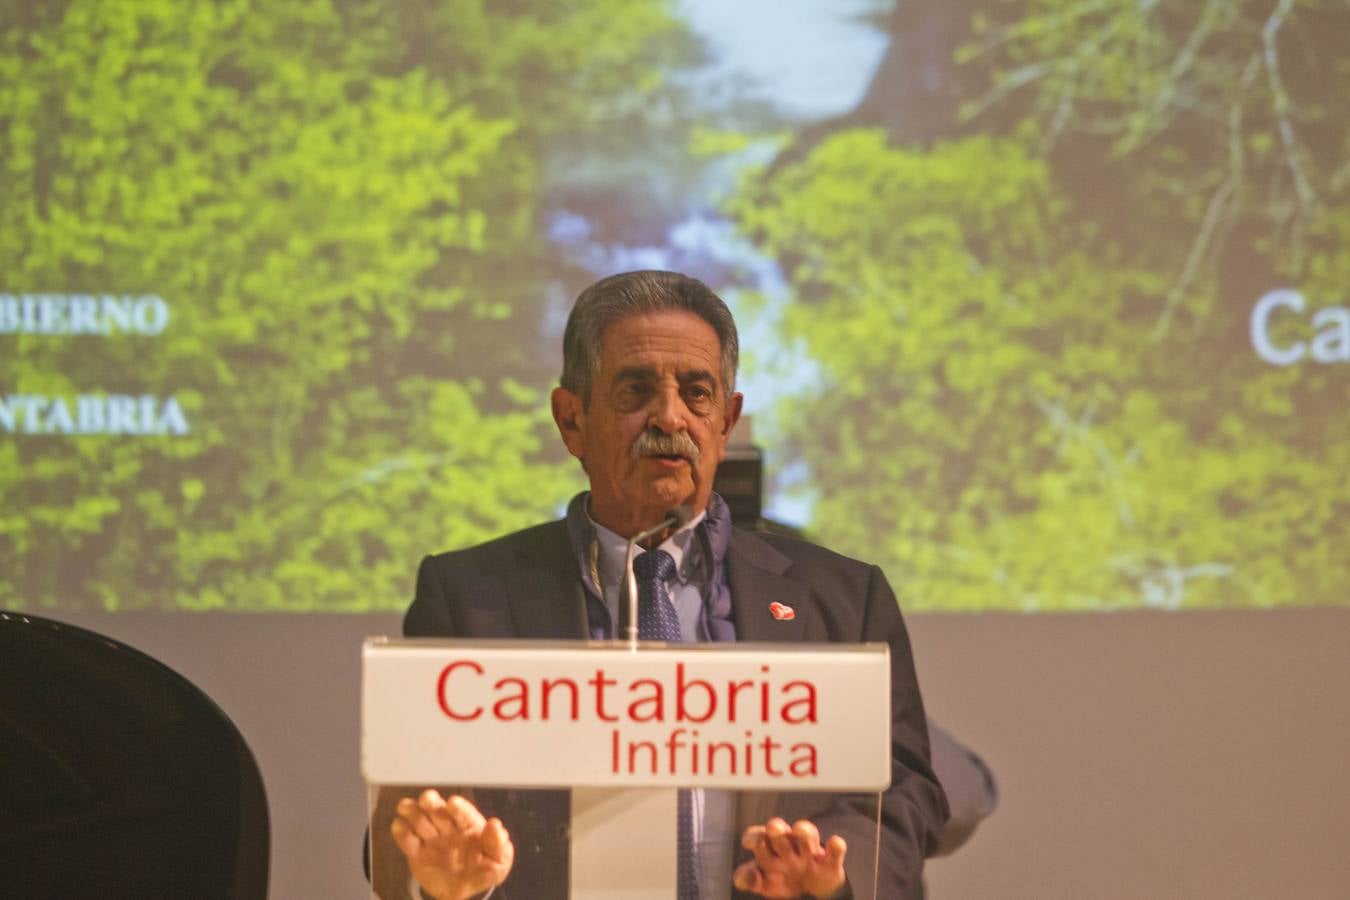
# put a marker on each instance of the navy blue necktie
(657, 621)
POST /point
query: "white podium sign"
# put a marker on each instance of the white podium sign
(506, 713)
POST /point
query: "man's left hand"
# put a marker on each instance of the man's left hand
(790, 862)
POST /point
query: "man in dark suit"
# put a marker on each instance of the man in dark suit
(646, 403)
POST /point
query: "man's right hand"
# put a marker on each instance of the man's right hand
(791, 862)
(453, 852)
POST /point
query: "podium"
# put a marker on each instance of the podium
(580, 749)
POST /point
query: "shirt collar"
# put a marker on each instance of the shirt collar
(614, 549)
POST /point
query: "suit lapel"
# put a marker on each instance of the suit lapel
(544, 589)
(547, 601)
(756, 576)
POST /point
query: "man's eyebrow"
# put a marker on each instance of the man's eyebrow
(696, 375)
(648, 373)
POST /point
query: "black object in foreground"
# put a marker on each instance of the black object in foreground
(120, 777)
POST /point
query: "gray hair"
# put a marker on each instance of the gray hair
(628, 293)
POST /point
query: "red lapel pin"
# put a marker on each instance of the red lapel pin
(781, 611)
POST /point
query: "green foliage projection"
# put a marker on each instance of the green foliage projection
(1038, 387)
(330, 197)
(1024, 266)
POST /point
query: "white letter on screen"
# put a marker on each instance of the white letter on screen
(1332, 344)
(1260, 328)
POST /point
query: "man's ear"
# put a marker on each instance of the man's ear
(570, 416)
(729, 420)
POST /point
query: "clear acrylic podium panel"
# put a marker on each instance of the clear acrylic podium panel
(541, 824)
(580, 749)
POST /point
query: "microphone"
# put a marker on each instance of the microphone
(676, 519)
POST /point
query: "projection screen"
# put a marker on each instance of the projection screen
(1043, 303)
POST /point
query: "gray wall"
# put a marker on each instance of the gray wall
(1139, 755)
(1143, 755)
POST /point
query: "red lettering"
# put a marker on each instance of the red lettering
(656, 701)
(440, 691)
(601, 682)
(734, 688)
(803, 764)
(808, 712)
(682, 689)
(770, 745)
(713, 749)
(764, 696)
(614, 753)
(546, 687)
(673, 744)
(633, 747)
(520, 700)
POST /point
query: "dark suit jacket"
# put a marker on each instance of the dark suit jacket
(528, 585)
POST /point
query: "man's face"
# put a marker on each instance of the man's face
(658, 419)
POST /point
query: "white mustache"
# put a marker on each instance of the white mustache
(653, 442)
